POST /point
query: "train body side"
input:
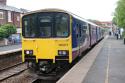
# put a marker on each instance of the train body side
(90, 35)
(93, 35)
(80, 37)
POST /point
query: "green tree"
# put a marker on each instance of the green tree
(6, 30)
(119, 15)
(2, 33)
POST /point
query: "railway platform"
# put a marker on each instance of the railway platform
(105, 63)
(10, 48)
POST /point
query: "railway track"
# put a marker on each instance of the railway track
(12, 71)
(9, 67)
(9, 60)
(24, 76)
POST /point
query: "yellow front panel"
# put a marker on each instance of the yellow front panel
(47, 48)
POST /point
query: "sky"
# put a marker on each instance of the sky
(101, 10)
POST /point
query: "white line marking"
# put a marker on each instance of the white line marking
(107, 70)
(10, 51)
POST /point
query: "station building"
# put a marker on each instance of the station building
(11, 15)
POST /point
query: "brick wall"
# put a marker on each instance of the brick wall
(15, 18)
(3, 2)
(3, 14)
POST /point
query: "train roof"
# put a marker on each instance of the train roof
(60, 10)
(46, 10)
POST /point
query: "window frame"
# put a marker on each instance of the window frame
(1, 15)
(23, 28)
(18, 18)
(38, 15)
(9, 16)
(67, 26)
(52, 31)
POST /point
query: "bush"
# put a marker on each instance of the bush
(6, 30)
(2, 33)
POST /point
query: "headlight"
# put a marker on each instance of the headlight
(28, 51)
(63, 52)
(59, 52)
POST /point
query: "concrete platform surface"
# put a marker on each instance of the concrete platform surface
(109, 66)
(103, 64)
(7, 49)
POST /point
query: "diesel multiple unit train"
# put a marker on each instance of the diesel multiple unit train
(53, 38)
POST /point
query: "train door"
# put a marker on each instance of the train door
(78, 37)
(97, 34)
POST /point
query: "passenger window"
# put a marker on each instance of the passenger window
(84, 31)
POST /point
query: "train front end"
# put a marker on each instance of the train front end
(46, 41)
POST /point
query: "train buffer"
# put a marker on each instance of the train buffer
(105, 63)
(10, 49)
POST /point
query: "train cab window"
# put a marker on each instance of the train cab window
(29, 26)
(45, 25)
(61, 25)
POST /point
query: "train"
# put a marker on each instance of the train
(53, 38)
